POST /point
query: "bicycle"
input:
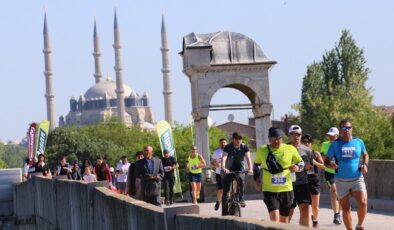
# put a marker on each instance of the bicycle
(233, 203)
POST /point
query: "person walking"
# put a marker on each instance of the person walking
(352, 157)
(122, 169)
(277, 186)
(217, 163)
(235, 155)
(169, 165)
(329, 175)
(133, 182)
(150, 170)
(194, 166)
(313, 179)
(102, 170)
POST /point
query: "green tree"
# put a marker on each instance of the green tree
(334, 89)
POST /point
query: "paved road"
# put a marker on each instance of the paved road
(256, 209)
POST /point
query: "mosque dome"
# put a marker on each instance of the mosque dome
(107, 86)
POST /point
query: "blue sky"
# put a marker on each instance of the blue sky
(294, 33)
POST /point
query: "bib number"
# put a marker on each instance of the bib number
(278, 180)
(348, 152)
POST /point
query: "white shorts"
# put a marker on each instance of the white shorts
(345, 186)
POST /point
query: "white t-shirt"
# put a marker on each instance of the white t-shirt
(123, 171)
(26, 169)
(90, 178)
(217, 156)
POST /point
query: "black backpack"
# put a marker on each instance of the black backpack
(272, 163)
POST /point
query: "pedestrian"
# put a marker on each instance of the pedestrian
(26, 167)
(353, 159)
(86, 164)
(102, 170)
(150, 170)
(194, 166)
(313, 179)
(302, 194)
(134, 182)
(277, 185)
(329, 175)
(169, 165)
(217, 163)
(235, 156)
(122, 169)
(42, 167)
(63, 168)
(88, 174)
(75, 171)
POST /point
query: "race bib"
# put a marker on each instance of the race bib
(167, 168)
(348, 152)
(278, 179)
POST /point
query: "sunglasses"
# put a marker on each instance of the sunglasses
(276, 138)
(295, 134)
(346, 128)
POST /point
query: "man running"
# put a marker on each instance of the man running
(352, 157)
(278, 188)
(217, 163)
(302, 195)
(329, 175)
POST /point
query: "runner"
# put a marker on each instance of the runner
(313, 179)
(302, 196)
(277, 188)
(194, 166)
(329, 175)
(217, 163)
(353, 158)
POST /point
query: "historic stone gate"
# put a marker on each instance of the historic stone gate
(226, 60)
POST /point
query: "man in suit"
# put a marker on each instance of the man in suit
(150, 170)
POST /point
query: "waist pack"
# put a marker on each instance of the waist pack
(273, 165)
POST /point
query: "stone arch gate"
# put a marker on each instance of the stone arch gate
(226, 60)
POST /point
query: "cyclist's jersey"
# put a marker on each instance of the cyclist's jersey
(348, 156)
(324, 150)
(286, 156)
(193, 164)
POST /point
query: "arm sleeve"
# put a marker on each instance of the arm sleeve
(331, 151)
(259, 153)
(108, 173)
(161, 170)
(363, 149)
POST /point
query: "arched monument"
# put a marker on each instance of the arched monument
(226, 60)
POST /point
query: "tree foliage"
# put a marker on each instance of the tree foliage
(335, 88)
(12, 156)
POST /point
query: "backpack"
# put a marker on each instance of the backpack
(272, 163)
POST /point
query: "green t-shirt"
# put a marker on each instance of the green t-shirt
(324, 150)
(286, 156)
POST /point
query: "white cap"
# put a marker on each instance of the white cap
(295, 129)
(111, 169)
(333, 131)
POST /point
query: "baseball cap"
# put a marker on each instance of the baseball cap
(295, 129)
(236, 136)
(333, 131)
(275, 132)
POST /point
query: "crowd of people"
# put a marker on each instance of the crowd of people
(286, 173)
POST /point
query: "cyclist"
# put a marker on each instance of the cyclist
(233, 160)
(278, 188)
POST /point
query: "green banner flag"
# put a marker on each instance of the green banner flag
(41, 137)
(164, 131)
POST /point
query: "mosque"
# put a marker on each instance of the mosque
(108, 98)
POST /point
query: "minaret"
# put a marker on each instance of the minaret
(96, 55)
(48, 77)
(118, 69)
(166, 74)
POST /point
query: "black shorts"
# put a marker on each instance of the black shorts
(195, 177)
(302, 195)
(219, 183)
(279, 201)
(314, 184)
(330, 178)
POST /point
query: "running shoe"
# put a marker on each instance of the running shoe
(315, 224)
(337, 219)
(217, 204)
(242, 203)
(358, 227)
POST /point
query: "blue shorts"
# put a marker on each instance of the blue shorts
(194, 177)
